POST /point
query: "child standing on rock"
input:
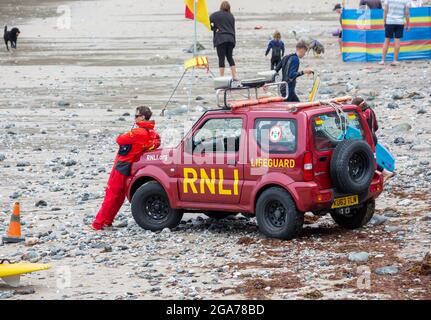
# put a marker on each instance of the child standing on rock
(277, 47)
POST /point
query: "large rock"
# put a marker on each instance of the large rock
(378, 220)
(389, 270)
(403, 127)
(358, 256)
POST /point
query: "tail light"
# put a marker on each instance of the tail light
(308, 166)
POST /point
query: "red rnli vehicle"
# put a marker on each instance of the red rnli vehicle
(262, 157)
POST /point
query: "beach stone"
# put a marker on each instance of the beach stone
(391, 214)
(377, 220)
(63, 103)
(399, 141)
(421, 147)
(31, 241)
(41, 203)
(389, 270)
(6, 294)
(2, 157)
(426, 217)
(403, 127)
(397, 95)
(24, 291)
(392, 229)
(358, 256)
(228, 292)
(393, 105)
(23, 164)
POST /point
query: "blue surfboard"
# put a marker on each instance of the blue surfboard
(384, 158)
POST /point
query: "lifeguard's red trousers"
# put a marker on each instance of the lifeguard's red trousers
(114, 198)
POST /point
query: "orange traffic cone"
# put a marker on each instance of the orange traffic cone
(14, 232)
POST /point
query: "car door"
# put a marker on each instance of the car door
(211, 171)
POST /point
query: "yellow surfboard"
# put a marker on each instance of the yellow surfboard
(11, 272)
(315, 89)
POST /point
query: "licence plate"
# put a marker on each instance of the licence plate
(345, 202)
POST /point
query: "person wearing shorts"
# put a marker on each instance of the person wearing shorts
(395, 12)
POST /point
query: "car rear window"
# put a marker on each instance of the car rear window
(276, 135)
(329, 129)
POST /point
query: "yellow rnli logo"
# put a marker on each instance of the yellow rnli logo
(212, 182)
(273, 163)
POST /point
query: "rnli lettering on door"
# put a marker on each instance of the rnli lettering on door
(211, 181)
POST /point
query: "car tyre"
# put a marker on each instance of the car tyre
(151, 209)
(277, 216)
(356, 218)
(352, 166)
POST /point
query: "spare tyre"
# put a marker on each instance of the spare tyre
(352, 166)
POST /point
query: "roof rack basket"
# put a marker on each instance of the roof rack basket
(225, 86)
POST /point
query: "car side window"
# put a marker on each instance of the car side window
(276, 135)
(218, 135)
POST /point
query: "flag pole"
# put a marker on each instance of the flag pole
(195, 53)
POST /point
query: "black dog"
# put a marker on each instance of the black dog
(11, 36)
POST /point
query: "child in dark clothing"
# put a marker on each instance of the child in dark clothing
(290, 70)
(277, 47)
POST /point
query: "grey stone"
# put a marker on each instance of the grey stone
(24, 291)
(426, 217)
(399, 141)
(41, 203)
(393, 105)
(2, 157)
(6, 294)
(70, 162)
(398, 95)
(358, 256)
(228, 292)
(389, 270)
(391, 214)
(421, 147)
(23, 164)
(377, 220)
(63, 103)
(403, 127)
(392, 229)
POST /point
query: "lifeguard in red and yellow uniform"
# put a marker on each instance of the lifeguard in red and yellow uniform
(131, 146)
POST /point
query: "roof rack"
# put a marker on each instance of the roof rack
(225, 86)
(301, 105)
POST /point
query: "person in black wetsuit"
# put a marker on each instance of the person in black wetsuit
(290, 70)
(277, 47)
(223, 26)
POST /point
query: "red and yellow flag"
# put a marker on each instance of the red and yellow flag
(201, 12)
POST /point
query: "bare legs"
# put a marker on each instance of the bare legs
(385, 50)
(397, 47)
(396, 51)
(232, 70)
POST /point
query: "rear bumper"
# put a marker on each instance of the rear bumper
(309, 197)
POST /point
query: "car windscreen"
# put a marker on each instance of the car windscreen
(331, 128)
